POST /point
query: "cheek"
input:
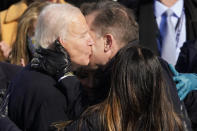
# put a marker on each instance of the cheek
(97, 50)
(79, 52)
(75, 49)
(97, 55)
(80, 59)
(80, 56)
(84, 60)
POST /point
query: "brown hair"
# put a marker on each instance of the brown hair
(111, 17)
(25, 26)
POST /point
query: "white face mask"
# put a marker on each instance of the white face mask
(31, 44)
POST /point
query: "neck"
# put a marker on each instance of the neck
(168, 3)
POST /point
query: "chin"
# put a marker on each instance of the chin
(84, 63)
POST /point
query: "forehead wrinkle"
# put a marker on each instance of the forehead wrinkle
(78, 26)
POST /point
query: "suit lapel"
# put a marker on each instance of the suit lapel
(148, 27)
(191, 19)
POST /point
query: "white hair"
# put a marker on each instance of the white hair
(53, 23)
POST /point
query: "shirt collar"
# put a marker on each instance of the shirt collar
(160, 8)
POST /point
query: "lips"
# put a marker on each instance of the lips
(90, 53)
(90, 56)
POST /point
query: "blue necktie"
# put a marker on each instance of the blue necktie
(168, 51)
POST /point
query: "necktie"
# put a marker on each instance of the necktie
(168, 51)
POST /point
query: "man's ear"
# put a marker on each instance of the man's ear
(63, 43)
(108, 42)
(60, 40)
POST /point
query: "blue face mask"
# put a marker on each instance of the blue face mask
(31, 44)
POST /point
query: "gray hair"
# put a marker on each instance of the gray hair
(53, 23)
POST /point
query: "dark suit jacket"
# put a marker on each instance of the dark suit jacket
(37, 100)
(187, 61)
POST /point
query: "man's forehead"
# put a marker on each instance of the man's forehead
(91, 17)
(78, 25)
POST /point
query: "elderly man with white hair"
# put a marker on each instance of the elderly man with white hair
(37, 96)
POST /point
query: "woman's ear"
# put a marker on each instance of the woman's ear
(108, 42)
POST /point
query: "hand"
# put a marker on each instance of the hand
(55, 62)
(5, 48)
(185, 82)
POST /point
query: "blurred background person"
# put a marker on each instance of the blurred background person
(24, 46)
(187, 61)
(151, 15)
(23, 49)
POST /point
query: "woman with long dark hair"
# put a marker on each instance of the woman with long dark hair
(137, 100)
